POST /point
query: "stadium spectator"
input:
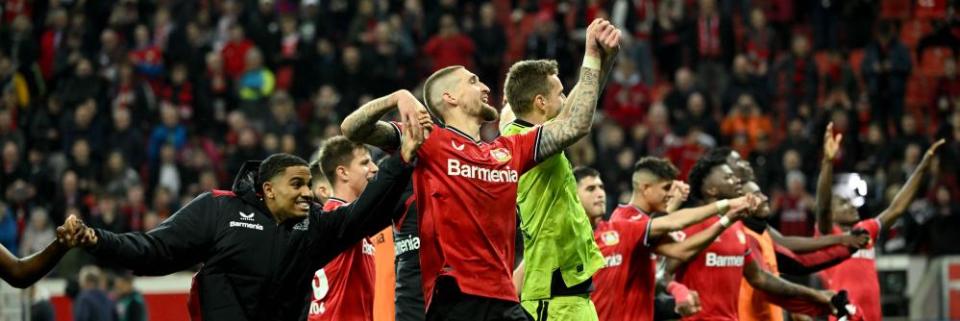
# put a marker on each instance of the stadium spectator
(886, 67)
(131, 305)
(93, 303)
(449, 47)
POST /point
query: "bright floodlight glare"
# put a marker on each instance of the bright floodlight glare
(853, 187)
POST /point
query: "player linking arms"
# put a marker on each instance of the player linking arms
(466, 189)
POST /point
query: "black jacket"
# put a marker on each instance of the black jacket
(254, 268)
(408, 300)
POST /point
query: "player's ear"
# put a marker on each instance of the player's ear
(342, 173)
(267, 189)
(449, 99)
(540, 103)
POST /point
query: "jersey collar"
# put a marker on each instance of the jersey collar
(522, 123)
(461, 133)
(337, 199)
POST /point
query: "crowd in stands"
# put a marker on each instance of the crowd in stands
(121, 111)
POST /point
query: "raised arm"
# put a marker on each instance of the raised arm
(364, 124)
(376, 206)
(22, 273)
(831, 144)
(576, 118)
(802, 244)
(681, 219)
(691, 246)
(909, 190)
(370, 213)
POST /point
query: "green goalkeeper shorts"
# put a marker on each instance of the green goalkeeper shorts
(562, 308)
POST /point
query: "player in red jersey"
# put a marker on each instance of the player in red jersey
(466, 188)
(858, 275)
(716, 272)
(792, 255)
(629, 244)
(343, 289)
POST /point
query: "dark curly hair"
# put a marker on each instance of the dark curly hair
(701, 170)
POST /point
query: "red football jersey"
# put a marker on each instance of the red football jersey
(858, 274)
(624, 288)
(716, 272)
(343, 289)
(467, 193)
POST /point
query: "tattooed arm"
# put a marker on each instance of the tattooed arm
(606, 66)
(364, 124)
(562, 132)
(575, 120)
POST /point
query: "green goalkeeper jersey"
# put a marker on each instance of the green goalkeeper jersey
(557, 235)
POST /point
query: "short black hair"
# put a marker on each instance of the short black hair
(702, 169)
(582, 172)
(720, 152)
(275, 165)
(336, 151)
(659, 167)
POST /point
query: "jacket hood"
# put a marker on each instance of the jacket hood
(245, 181)
(245, 186)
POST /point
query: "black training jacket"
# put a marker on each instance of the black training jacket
(254, 268)
(408, 300)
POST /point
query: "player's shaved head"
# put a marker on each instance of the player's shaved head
(440, 82)
(651, 170)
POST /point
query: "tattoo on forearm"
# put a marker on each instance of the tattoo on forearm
(559, 134)
(364, 124)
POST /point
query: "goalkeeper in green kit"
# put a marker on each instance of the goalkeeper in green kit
(560, 255)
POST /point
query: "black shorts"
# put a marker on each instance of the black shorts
(452, 305)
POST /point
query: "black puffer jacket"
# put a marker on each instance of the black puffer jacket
(254, 268)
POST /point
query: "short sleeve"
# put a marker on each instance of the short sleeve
(872, 226)
(634, 232)
(524, 147)
(753, 252)
(643, 225)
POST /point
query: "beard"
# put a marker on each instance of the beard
(488, 113)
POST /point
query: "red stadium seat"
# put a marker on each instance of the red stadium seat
(931, 63)
(930, 9)
(895, 9)
(856, 57)
(913, 30)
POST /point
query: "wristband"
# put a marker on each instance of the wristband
(722, 206)
(679, 292)
(591, 62)
(725, 221)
